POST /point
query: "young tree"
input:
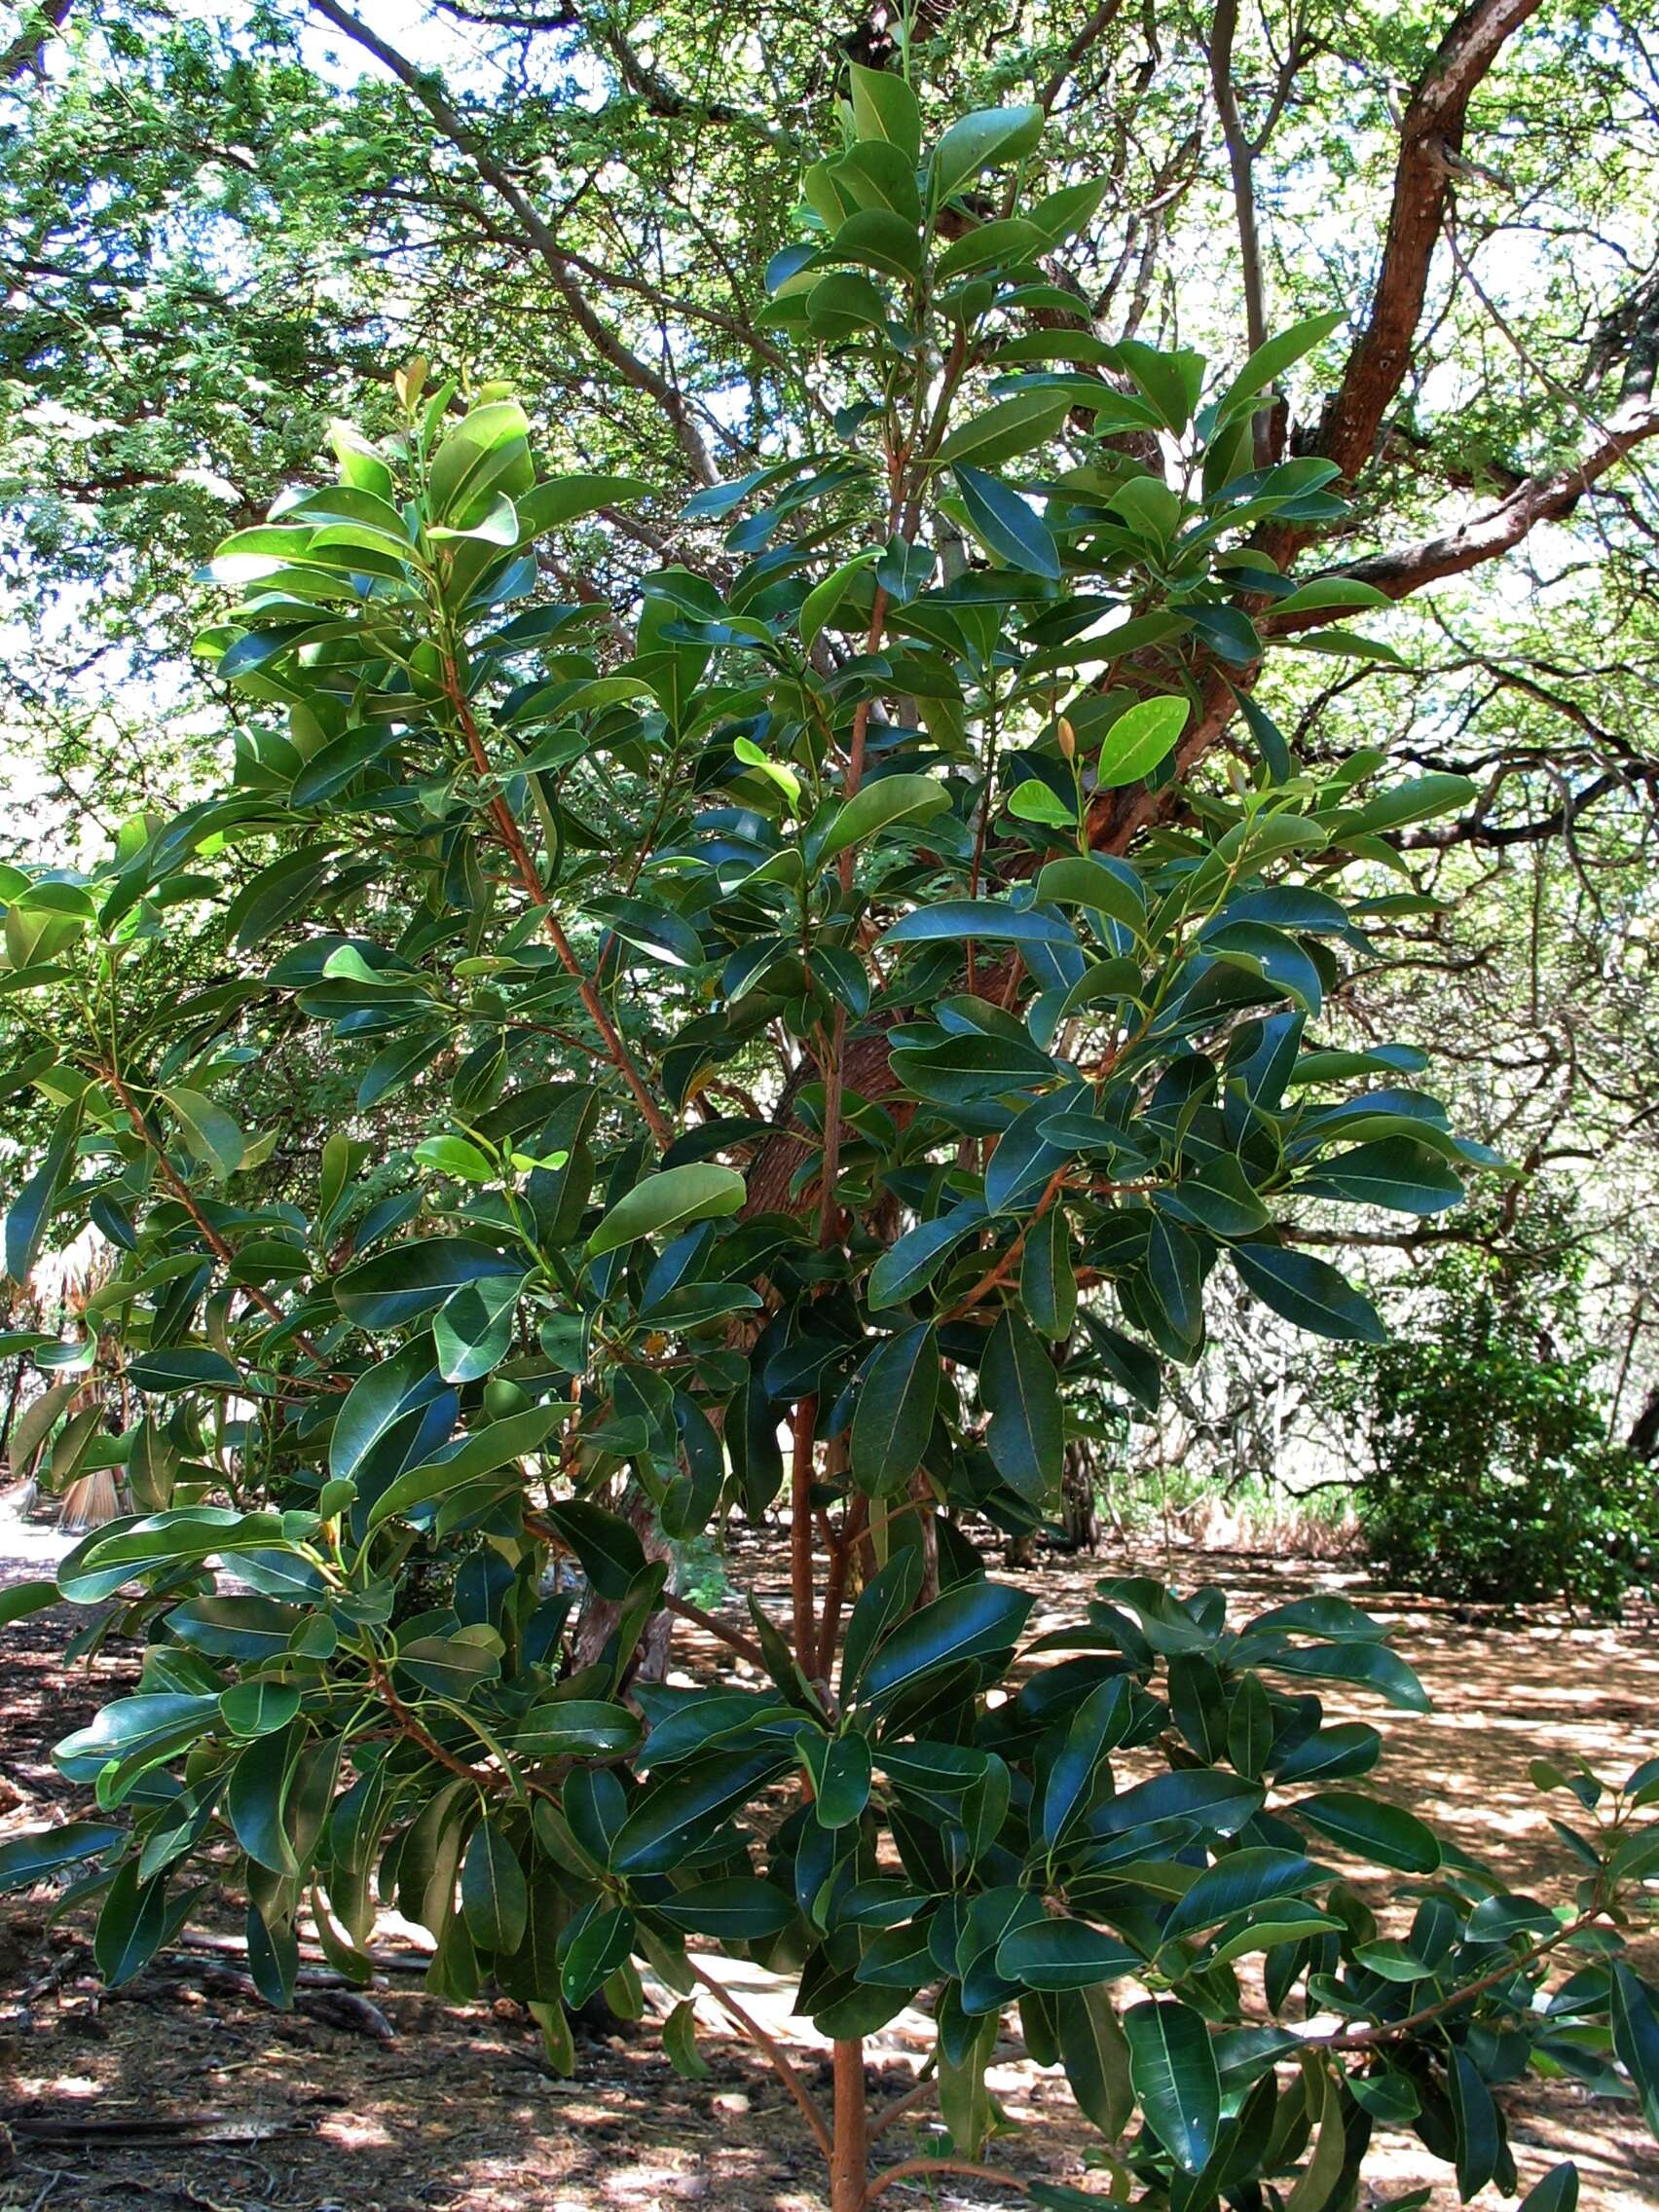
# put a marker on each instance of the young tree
(891, 1061)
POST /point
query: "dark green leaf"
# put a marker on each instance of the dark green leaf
(968, 1622)
(406, 1280)
(493, 1893)
(1019, 1386)
(1172, 2067)
(895, 1411)
(1636, 2038)
(1095, 2054)
(1307, 1292)
(1064, 1954)
(1371, 1830)
(1006, 524)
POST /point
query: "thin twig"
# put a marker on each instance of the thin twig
(518, 851)
(900, 2105)
(773, 2049)
(733, 1638)
(215, 1243)
(1385, 2031)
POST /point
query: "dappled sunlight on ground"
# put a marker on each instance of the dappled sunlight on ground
(458, 2114)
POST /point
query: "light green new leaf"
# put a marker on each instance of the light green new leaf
(987, 139)
(1138, 740)
(701, 1191)
(1270, 359)
(885, 107)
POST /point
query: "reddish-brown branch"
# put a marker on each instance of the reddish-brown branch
(1389, 2031)
(210, 1236)
(530, 879)
(1010, 1259)
(1431, 138)
(801, 1578)
(542, 238)
(849, 2157)
(918, 2170)
(418, 1734)
(854, 1523)
(907, 2101)
(1548, 497)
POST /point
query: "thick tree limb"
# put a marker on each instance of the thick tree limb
(1431, 131)
(538, 234)
(1549, 496)
(1100, 20)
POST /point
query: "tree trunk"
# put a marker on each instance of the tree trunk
(1080, 1521)
(1644, 1438)
(599, 1616)
(849, 2159)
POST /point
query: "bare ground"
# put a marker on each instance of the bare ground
(456, 2112)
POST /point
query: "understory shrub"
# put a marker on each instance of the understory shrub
(1488, 1472)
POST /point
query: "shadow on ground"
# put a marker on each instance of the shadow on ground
(458, 2112)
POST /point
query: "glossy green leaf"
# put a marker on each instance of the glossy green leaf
(986, 139)
(670, 1200)
(407, 1280)
(1307, 1291)
(1138, 740)
(1172, 2067)
(27, 1858)
(1234, 1884)
(1064, 1954)
(1636, 2038)
(973, 1619)
(1022, 1391)
(493, 1893)
(1371, 1830)
(885, 107)
(1004, 430)
(1002, 519)
(1095, 2054)
(877, 805)
(894, 1416)
(473, 1331)
(737, 1910)
(1557, 2192)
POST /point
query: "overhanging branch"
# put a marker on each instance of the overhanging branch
(426, 88)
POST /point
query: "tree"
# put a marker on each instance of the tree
(795, 1016)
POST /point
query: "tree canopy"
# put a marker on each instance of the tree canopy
(764, 791)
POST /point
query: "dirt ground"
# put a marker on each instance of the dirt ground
(446, 2107)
